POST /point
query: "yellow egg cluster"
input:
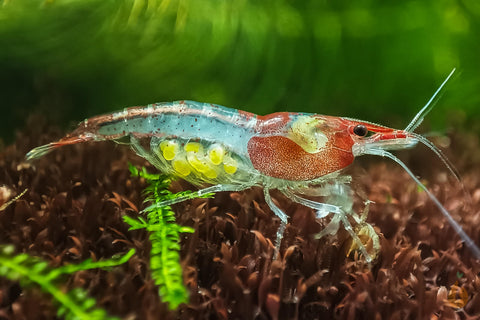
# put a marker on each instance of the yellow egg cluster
(192, 158)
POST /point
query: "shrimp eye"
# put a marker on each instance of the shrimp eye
(360, 130)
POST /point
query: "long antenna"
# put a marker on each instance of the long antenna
(439, 154)
(458, 229)
(417, 120)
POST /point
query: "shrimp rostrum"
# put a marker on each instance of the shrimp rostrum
(222, 149)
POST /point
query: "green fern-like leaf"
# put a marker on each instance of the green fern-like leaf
(31, 271)
(164, 236)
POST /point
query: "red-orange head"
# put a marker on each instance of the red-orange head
(308, 146)
(368, 136)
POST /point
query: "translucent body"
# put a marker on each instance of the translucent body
(225, 149)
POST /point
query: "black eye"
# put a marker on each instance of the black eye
(360, 130)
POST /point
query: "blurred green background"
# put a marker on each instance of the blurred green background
(376, 60)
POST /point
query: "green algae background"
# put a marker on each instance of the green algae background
(375, 60)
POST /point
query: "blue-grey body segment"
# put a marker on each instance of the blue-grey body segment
(187, 120)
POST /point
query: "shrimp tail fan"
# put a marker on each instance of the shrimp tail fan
(40, 151)
(43, 150)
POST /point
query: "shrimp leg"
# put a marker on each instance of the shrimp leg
(283, 220)
(340, 215)
(323, 209)
(202, 192)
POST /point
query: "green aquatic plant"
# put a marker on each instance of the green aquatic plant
(164, 236)
(31, 271)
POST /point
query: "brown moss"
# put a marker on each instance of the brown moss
(77, 195)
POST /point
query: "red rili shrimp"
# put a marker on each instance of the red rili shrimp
(299, 154)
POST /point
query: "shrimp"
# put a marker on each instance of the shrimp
(298, 154)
